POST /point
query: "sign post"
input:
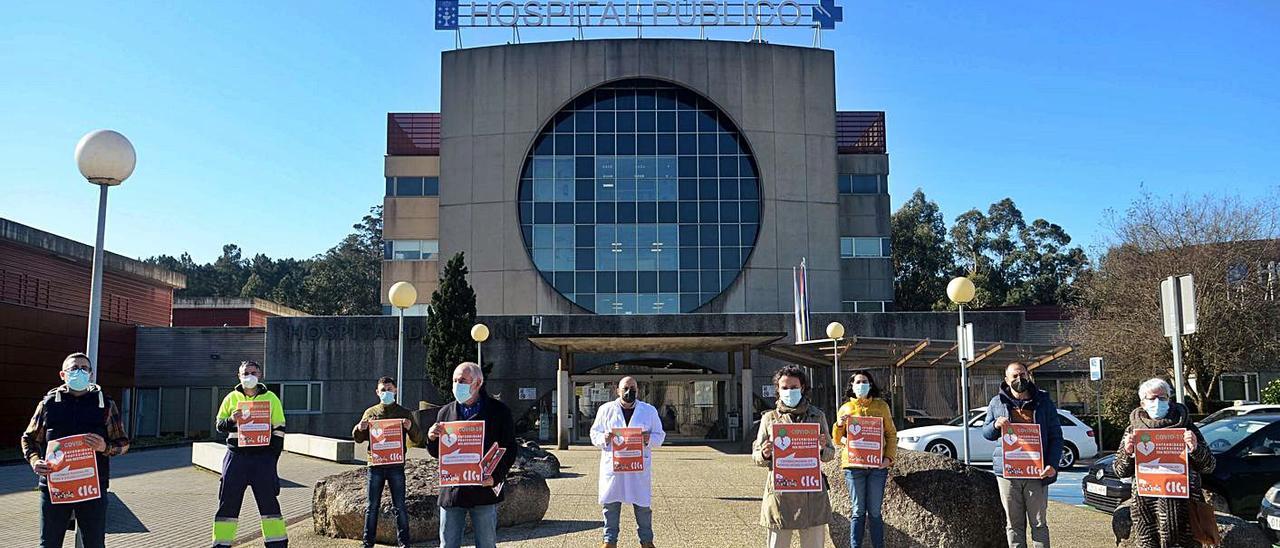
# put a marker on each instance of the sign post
(1178, 309)
(965, 349)
(1095, 374)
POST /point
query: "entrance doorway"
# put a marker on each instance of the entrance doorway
(692, 402)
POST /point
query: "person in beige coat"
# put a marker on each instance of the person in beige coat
(787, 514)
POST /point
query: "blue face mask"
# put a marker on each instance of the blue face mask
(78, 380)
(1156, 409)
(387, 398)
(790, 397)
(861, 389)
(461, 392)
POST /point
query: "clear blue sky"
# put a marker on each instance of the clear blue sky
(263, 123)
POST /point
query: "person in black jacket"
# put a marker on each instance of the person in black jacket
(480, 502)
(76, 407)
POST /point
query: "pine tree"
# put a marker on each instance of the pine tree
(453, 313)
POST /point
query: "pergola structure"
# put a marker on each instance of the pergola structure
(567, 346)
(899, 354)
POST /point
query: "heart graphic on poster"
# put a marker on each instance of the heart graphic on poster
(618, 441)
(855, 429)
(1147, 447)
(782, 443)
(55, 458)
(449, 439)
(375, 432)
(1011, 438)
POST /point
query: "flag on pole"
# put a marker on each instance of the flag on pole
(800, 301)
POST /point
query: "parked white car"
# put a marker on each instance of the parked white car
(944, 439)
(1237, 410)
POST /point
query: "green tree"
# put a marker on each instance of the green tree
(453, 313)
(254, 287)
(344, 281)
(922, 256)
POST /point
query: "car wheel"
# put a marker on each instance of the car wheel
(1069, 455)
(1218, 502)
(941, 447)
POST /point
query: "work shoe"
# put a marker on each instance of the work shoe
(608, 545)
(647, 545)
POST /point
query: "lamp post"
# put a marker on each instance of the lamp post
(479, 334)
(105, 158)
(402, 295)
(960, 290)
(835, 331)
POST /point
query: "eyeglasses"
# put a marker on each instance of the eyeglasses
(79, 368)
(1155, 397)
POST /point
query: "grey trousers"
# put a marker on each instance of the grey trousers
(1025, 503)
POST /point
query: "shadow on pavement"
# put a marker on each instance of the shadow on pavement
(120, 519)
(546, 528)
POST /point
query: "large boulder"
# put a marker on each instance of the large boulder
(533, 459)
(338, 503)
(1236, 532)
(929, 501)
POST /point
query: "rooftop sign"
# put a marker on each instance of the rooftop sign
(458, 14)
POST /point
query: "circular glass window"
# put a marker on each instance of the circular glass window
(640, 197)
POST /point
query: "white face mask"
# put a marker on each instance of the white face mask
(249, 381)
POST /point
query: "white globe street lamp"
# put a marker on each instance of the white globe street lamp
(961, 291)
(105, 158)
(835, 331)
(402, 295)
(479, 334)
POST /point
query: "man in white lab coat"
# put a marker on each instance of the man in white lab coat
(630, 487)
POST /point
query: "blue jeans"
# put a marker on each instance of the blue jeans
(484, 521)
(644, 522)
(91, 519)
(378, 476)
(866, 491)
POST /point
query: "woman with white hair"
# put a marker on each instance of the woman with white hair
(1164, 522)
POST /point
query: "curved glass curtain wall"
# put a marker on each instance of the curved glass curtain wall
(639, 197)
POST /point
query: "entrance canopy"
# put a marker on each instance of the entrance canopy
(679, 342)
(884, 352)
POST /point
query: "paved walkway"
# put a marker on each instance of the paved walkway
(703, 497)
(158, 499)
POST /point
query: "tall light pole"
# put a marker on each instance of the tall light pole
(835, 331)
(960, 290)
(105, 158)
(479, 334)
(402, 295)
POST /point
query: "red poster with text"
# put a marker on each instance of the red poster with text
(386, 442)
(1161, 461)
(74, 470)
(461, 451)
(797, 466)
(864, 442)
(1022, 451)
(628, 450)
(254, 431)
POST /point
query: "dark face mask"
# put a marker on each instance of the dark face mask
(629, 395)
(1020, 384)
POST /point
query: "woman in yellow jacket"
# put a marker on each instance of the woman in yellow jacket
(866, 484)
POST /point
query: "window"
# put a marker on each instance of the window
(848, 183)
(301, 397)
(864, 248)
(1238, 386)
(639, 198)
(413, 186)
(867, 306)
(410, 250)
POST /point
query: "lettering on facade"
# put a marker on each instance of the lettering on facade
(457, 14)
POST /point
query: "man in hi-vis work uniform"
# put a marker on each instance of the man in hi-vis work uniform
(250, 467)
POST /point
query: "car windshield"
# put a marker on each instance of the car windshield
(1225, 434)
(972, 415)
(1222, 414)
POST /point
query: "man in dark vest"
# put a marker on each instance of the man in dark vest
(77, 407)
(473, 403)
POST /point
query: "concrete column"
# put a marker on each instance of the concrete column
(747, 392)
(729, 394)
(564, 419)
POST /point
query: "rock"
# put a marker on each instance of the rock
(338, 503)
(534, 459)
(929, 500)
(1236, 532)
